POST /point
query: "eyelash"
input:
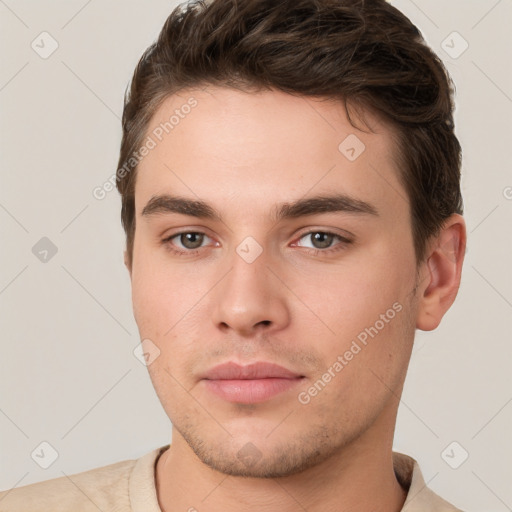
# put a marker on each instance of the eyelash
(344, 242)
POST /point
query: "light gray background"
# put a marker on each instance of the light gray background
(68, 375)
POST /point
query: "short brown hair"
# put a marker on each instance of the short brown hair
(363, 52)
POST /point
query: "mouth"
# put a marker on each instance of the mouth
(254, 383)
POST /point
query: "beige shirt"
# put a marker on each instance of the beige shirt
(129, 486)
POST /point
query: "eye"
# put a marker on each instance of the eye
(322, 241)
(188, 241)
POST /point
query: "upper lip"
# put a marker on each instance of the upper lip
(258, 370)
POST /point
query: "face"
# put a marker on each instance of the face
(269, 229)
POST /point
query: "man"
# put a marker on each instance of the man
(290, 194)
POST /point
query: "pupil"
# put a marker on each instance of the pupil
(191, 240)
(322, 240)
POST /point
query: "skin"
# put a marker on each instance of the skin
(245, 154)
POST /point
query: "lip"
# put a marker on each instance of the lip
(253, 383)
(258, 370)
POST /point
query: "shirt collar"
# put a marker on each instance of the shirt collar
(419, 497)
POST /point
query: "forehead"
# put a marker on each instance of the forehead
(264, 147)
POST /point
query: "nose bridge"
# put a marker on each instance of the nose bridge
(250, 296)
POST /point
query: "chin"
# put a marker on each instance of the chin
(261, 455)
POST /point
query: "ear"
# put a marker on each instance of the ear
(442, 271)
(127, 263)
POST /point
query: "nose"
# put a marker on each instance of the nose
(250, 298)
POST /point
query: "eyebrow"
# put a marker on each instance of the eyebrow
(164, 204)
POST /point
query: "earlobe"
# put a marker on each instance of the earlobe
(443, 268)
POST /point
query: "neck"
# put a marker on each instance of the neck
(359, 477)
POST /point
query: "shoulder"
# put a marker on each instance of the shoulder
(105, 488)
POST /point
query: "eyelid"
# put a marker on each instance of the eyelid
(345, 236)
(167, 239)
(171, 233)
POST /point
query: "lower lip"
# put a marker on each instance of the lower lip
(250, 391)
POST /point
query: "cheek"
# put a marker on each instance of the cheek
(154, 298)
(351, 298)
(167, 306)
(364, 366)
(157, 288)
(143, 299)
(363, 315)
